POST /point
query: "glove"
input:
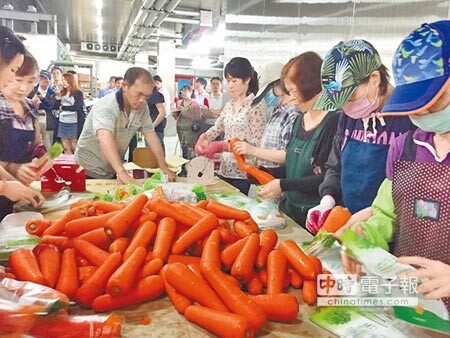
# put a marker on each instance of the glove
(215, 147)
(202, 143)
(317, 215)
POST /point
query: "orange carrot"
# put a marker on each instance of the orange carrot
(317, 263)
(96, 237)
(337, 218)
(226, 236)
(195, 268)
(81, 261)
(107, 207)
(68, 276)
(79, 226)
(295, 280)
(179, 301)
(235, 299)
(120, 244)
(146, 289)
(202, 204)
(198, 231)
(240, 159)
(241, 229)
(267, 241)
(84, 272)
(61, 242)
(229, 254)
(309, 291)
(298, 259)
(242, 268)
(24, 265)
(183, 259)
(145, 320)
(37, 226)
(221, 324)
(224, 224)
(159, 192)
(119, 223)
(164, 238)
(151, 216)
(263, 177)
(95, 285)
(152, 267)
(280, 307)
(164, 209)
(58, 226)
(255, 286)
(276, 270)
(49, 259)
(142, 237)
(226, 212)
(92, 253)
(211, 249)
(122, 279)
(188, 284)
(262, 274)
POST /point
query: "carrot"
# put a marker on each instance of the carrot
(68, 277)
(280, 307)
(84, 272)
(183, 259)
(151, 216)
(119, 223)
(224, 325)
(255, 286)
(276, 270)
(317, 263)
(179, 301)
(336, 219)
(267, 241)
(159, 192)
(309, 291)
(107, 207)
(58, 226)
(96, 237)
(298, 259)
(61, 242)
(262, 274)
(145, 320)
(37, 226)
(122, 279)
(224, 224)
(263, 177)
(188, 284)
(164, 209)
(96, 283)
(295, 280)
(146, 289)
(242, 268)
(202, 204)
(211, 249)
(120, 244)
(152, 267)
(198, 231)
(79, 226)
(252, 225)
(195, 268)
(235, 299)
(24, 265)
(241, 229)
(226, 236)
(80, 202)
(164, 238)
(92, 253)
(81, 261)
(49, 259)
(198, 212)
(226, 212)
(142, 237)
(240, 159)
(229, 254)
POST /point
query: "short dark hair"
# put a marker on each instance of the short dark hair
(202, 81)
(71, 71)
(57, 68)
(10, 46)
(216, 78)
(186, 87)
(118, 78)
(384, 79)
(157, 78)
(241, 68)
(29, 65)
(112, 78)
(134, 73)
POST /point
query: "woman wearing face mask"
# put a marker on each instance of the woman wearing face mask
(237, 119)
(411, 212)
(355, 80)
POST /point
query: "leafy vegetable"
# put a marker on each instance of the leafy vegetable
(55, 150)
(338, 316)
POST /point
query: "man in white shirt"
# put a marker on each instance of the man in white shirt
(216, 101)
(163, 90)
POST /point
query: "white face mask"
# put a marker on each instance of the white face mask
(438, 122)
(361, 107)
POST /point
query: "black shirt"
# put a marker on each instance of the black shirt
(152, 101)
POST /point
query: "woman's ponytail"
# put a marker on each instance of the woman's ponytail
(253, 85)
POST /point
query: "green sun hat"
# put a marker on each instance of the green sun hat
(343, 69)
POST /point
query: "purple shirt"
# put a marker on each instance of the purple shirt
(423, 154)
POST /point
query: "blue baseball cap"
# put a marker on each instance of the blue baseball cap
(421, 69)
(46, 74)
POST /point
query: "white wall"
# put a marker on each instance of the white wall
(43, 48)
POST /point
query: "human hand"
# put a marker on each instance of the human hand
(271, 190)
(16, 191)
(316, 216)
(350, 264)
(202, 143)
(170, 174)
(28, 172)
(123, 177)
(215, 147)
(434, 276)
(244, 148)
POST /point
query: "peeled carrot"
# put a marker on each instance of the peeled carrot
(68, 277)
(58, 226)
(195, 268)
(80, 226)
(280, 307)
(95, 285)
(224, 211)
(150, 216)
(183, 259)
(221, 324)
(188, 284)
(276, 270)
(151, 267)
(295, 280)
(262, 274)
(49, 259)
(122, 279)
(119, 223)
(164, 238)
(229, 254)
(242, 268)
(224, 224)
(84, 272)
(24, 265)
(255, 286)
(107, 207)
(143, 236)
(211, 250)
(267, 241)
(120, 244)
(263, 177)
(92, 253)
(336, 219)
(235, 299)
(61, 242)
(159, 192)
(226, 236)
(37, 226)
(309, 291)
(242, 229)
(179, 301)
(298, 259)
(164, 209)
(81, 261)
(317, 263)
(202, 204)
(146, 289)
(198, 231)
(240, 159)
(96, 237)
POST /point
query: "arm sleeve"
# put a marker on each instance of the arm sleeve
(103, 118)
(379, 228)
(331, 184)
(78, 104)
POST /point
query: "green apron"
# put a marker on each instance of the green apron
(298, 164)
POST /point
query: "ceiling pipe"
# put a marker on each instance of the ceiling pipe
(183, 12)
(183, 20)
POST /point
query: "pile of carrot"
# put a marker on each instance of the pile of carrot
(210, 259)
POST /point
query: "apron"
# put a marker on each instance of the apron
(189, 130)
(298, 164)
(420, 193)
(363, 170)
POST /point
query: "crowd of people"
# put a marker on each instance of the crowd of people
(331, 130)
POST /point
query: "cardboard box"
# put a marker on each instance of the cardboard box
(64, 173)
(144, 158)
